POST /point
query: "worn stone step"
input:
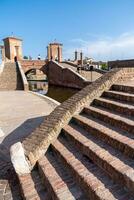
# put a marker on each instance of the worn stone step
(115, 120)
(119, 96)
(111, 105)
(123, 88)
(60, 183)
(90, 177)
(32, 187)
(119, 167)
(124, 143)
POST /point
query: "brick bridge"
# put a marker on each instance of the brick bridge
(28, 65)
(62, 74)
(57, 73)
(84, 149)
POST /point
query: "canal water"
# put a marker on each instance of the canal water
(57, 93)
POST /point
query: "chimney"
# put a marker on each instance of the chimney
(81, 58)
(76, 55)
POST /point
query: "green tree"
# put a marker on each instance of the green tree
(104, 66)
(25, 57)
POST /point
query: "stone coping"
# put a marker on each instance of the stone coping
(24, 79)
(50, 100)
(70, 63)
(36, 144)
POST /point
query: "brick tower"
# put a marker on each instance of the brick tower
(13, 48)
(54, 51)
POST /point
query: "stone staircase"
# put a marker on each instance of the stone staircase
(93, 157)
(10, 79)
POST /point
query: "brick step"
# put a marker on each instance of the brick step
(115, 120)
(88, 175)
(32, 187)
(119, 96)
(60, 183)
(123, 88)
(123, 143)
(117, 166)
(111, 105)
(10, 79)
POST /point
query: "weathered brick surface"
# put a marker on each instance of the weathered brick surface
(117, 107)
(103, 156)
(63, 113)
(9, 185)
(93, 155)
(88, 175)
(64, 76)
(111, 118)
(32, 187)
(59, 182)
(106, 134)
(123, 88)
(119, 96)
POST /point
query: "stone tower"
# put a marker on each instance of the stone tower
(54, 51)
(13, 48)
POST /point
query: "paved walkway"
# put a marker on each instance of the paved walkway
(20, 113)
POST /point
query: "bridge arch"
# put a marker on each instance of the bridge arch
(36, 72)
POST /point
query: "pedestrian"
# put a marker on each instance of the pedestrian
(78, 69)
(39, 57)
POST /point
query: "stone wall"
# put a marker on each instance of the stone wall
(38, 142)
(59, 75)
(120, 63)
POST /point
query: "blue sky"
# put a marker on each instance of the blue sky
(102, 29)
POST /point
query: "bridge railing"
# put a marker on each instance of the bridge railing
(37, 143)
(24, 79)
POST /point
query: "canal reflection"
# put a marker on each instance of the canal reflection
(57, 93)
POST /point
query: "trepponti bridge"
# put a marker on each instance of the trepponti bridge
(82, 149)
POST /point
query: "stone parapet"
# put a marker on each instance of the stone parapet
(121, 63)
(32, 62)
(63, 76)
(24, 79)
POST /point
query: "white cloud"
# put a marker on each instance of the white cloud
(105, 48)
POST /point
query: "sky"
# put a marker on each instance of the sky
(102, 29)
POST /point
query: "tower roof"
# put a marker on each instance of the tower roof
(56, 43)
(11, 37)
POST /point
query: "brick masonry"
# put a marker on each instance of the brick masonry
(121, 63)
(84, 149)
(57, 75)
(37, 143)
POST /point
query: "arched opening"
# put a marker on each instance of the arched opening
(38, 81)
